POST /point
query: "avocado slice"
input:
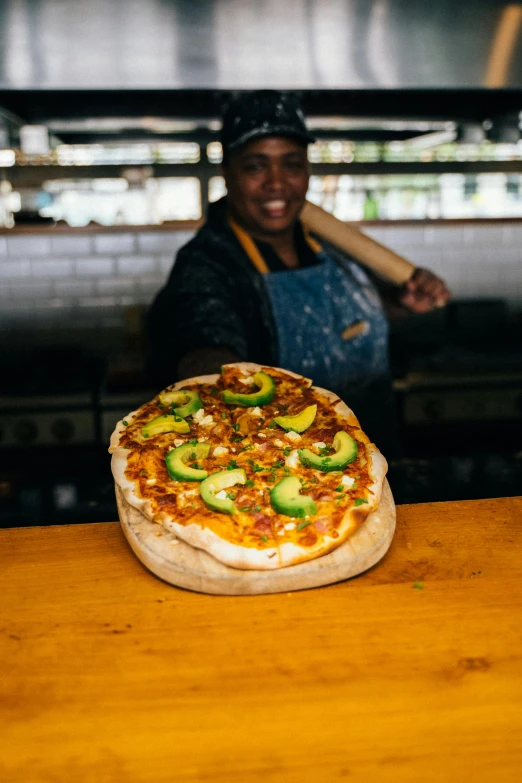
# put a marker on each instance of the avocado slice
(300, 422)
(215, 483)
(177, 459)
(286, 499)
(165, 423)
(345, 452)
(186, 403)
(262, 397)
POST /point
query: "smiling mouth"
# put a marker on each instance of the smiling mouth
(276, 208)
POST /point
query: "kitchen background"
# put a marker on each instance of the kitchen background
(104, 175)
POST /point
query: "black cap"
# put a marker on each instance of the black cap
(254, 115)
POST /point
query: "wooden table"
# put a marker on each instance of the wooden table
(409, 672)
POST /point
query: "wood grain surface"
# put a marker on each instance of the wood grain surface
(409, 672)
(180, 564)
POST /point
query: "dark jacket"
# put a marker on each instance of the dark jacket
(214, 297)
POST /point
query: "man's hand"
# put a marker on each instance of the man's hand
(423, 292)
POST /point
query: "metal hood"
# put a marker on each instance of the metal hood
(242, 44)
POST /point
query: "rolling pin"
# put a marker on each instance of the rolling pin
(367, 251)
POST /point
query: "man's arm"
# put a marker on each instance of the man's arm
(194, 324)
(422, 293)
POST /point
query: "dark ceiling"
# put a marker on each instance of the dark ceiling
(92, 62)
(73, 114)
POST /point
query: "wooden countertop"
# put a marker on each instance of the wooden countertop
(410, 672)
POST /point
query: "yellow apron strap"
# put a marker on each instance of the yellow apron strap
(313, 243)
(250, 247)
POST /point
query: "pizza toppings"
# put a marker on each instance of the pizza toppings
(212, 490)
(286, 499)
(276, 485)
(165, 423)
(292, 459)
(345, 452)
(266, 386)
(183, 403)
(177, 461)
(300, 422)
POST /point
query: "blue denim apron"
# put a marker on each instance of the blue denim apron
(331, 328)
(330, 325)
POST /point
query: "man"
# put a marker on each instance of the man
(252, 286)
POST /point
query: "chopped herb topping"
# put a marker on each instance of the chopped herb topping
(245, 508)
(325, 450)
(144, 472)
(235, 427)
(231, 495)
(418, 586)
(264, 538)
(286, 451)
(256, 468)
(223, 415)
(271, 425)
(249, 483)
(303, 524)
(125, 423)
(257, 508)
(339, 488)
(214, 391)
(359, 501)
(232, 465)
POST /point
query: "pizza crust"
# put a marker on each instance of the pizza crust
(247, 557)
(353, 520)
(179, 564)
(224, 551)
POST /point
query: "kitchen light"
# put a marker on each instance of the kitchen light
(7, 158)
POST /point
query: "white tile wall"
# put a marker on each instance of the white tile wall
(73, 245)
(114, 243)
(88, 279)
(137, 265)
(474, 259)
(26, 246)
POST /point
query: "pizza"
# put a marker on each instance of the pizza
(255, 466)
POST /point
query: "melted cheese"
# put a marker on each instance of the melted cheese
(259, 451)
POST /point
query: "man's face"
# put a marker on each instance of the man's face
(267, 183)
